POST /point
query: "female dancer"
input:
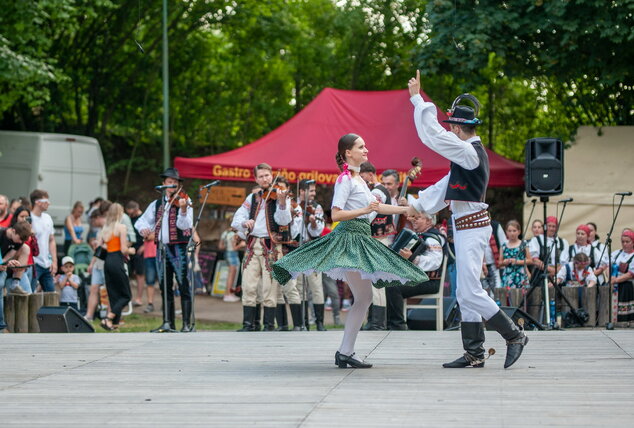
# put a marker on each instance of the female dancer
(114, 235)
(349, 253)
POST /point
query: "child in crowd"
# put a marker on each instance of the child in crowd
(514, 258)
(577, 273)
(149, 259)
(68, 283)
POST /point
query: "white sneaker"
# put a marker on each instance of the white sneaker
(231, 298)
(345, 307)
(328, 304)
(18, 290)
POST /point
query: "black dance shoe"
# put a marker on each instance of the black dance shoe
(344, 361)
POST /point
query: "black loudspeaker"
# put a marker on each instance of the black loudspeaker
(62, 319)
(516, 314)
(544, 167)
(425, 319)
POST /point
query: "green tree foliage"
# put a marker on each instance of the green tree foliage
(541, 66)
(239, 69)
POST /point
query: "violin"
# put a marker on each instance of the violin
(275, 190)
(177, 196)
(417, 167)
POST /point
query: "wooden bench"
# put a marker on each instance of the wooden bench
(20, 311)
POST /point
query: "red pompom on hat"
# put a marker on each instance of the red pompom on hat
(629, 234)
(551, 219)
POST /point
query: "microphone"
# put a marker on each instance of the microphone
(213, 183)
(533, 201)
(623, 193)
(167, 186)
(565, 201)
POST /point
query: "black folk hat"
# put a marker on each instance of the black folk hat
(171, 173)
(464, 115)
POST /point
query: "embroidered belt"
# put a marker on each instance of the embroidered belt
(473, 221)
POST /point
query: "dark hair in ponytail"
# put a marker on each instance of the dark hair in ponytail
(345, 143)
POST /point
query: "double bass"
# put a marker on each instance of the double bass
(417, 167)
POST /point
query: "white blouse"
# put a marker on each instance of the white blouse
(352, 194)
(623, 257)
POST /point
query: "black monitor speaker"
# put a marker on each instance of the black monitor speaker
(544, 167)
(62, 319)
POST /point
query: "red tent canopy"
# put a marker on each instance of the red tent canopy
(305, 146)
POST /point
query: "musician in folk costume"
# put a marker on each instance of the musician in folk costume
(173, 228)
(310, 225)
(263, 220)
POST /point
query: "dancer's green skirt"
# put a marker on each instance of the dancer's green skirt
(349, 247)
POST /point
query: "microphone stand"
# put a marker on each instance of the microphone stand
(191, 249)
(165, 327)
(304, 327)
(614, 289)
(544, 272)
(530, 217)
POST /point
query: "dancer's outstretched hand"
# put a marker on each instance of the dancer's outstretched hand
(414, 84)
(374, 206)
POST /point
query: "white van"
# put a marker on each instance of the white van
(69, 167)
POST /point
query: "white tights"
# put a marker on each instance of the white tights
(362, 292)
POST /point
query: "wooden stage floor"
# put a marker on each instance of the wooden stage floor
(565, 378)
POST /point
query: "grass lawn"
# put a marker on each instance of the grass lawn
(136, 323)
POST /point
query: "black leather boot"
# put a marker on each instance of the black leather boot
(248, 316)
(306, 316)
(171, 313)
(186, 306)
(269, 319)
(281, 317)
(257, 326)
(379, 317)
(319, 317)
(472, 341)
(515, 338)
(296, 314)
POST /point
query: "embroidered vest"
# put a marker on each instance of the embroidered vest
(278, 234)
(176, 235)
(469, 185)
(383, 225)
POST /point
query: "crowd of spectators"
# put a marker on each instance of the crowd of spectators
(30, 261)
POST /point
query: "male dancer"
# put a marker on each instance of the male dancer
(310, 226)
(264, 222)
(464, 188)
(173, 228)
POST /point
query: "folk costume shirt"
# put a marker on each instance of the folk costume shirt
(281, 217)
(308, 231)
(535, 245)
(352, 194)
(148, 221)
(431, 259)
(447, 144)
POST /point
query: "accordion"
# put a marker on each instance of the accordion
(409, 240)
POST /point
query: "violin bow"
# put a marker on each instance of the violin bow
(272, 185)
